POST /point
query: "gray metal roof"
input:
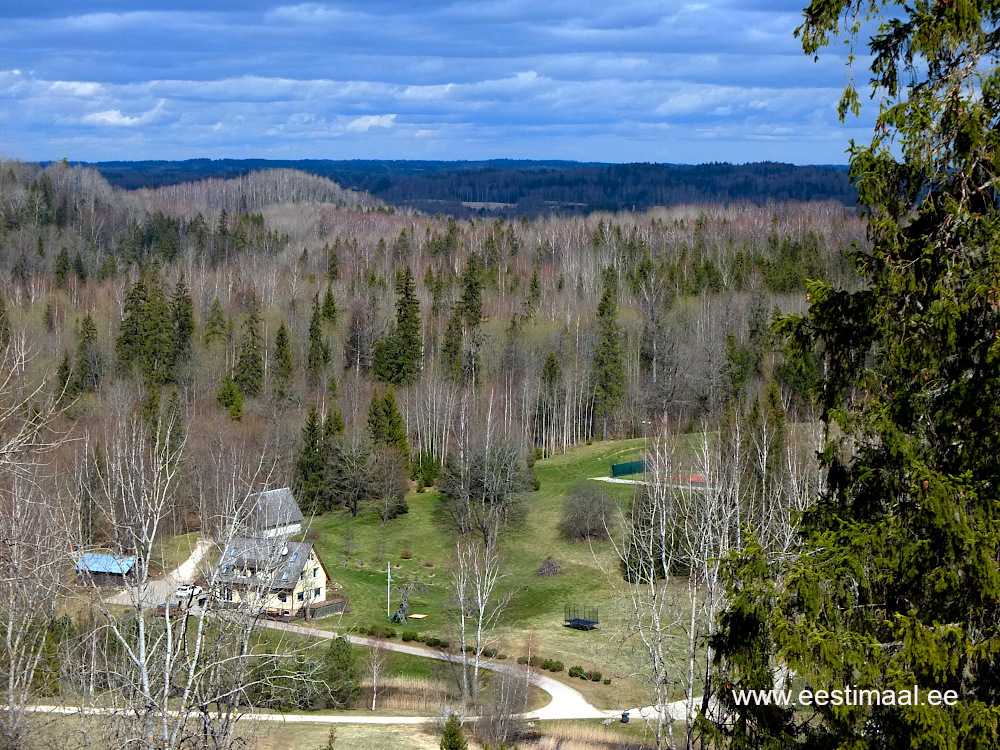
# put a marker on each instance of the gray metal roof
(269, 510)
(270, 562)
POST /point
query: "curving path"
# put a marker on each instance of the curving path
(566, 703)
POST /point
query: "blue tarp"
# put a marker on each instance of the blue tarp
(95, 562)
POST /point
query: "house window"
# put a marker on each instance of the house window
(316, 593)
(315, 572)
(295, 556)
(227, 569)
(282, 597)
(299, 596)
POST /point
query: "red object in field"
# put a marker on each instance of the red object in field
(688, 478)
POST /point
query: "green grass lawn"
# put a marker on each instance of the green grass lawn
(537, 609)
(539, 602)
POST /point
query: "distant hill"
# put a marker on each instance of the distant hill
(515, 187)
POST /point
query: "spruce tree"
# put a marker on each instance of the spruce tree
(451, 346)
(397, 357)
(607, 372)
(471, 303)
(216, 325)
(249, 371)
(4, 323)
(89, 361)
(318, 354)
(330, 306)
(61, 268)
(229, 397)
(129, 345)
(159, 338)
(182, 313)
(79, 268)
(284, 366)
(896, 581)
(453, 738)
(385, 422)
(311, 463)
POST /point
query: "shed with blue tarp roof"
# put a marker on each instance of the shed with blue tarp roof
(104, 569)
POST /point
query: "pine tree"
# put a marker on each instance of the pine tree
(182, 313)
(453, 738)
(284, 366)
(249, 371)
(318, 354)
(216, 325)
(607, 372)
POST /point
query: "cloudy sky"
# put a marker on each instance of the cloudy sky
(592, 80)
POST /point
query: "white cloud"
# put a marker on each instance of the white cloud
(115, 118)
(367, 122)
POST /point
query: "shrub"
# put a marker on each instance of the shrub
(577, 672)
(588, 513)
(553, 665)
(432, 640)
(522, 660)
(607, 680)
(406, 554)
(409, 635)
(596, 677)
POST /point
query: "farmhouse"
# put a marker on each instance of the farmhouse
(103, 569)
(269, 514)
(280, 577)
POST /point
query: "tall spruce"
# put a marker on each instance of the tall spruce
(896, 582)
(182, 313)
(249, 371)
(284, 365)
(131, 334)
(385, 422)
(311, 463)
(4, 323)
(330, 306)
(62, 268)
(216, 324)
(453, 738)
(160, 338)
(89, 361)
(318, 354)
(397, 357)
(607, 372)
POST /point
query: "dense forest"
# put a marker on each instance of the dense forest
(533, 188)
(249, 302)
